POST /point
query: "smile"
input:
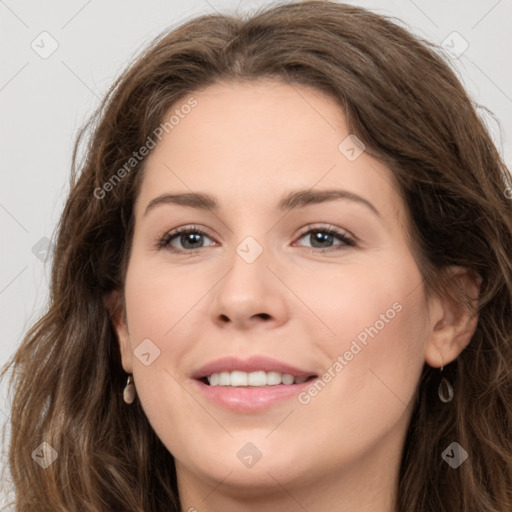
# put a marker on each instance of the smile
(250, 385)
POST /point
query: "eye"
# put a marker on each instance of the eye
(322, 238)
(189, 238)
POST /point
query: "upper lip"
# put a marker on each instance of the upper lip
(252, 364)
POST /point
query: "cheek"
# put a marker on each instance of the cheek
(158, 303)
(376, 357)
(381, 300)
(159, 298)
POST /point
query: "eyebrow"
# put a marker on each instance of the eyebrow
(293, 200)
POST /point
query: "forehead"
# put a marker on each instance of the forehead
(252, 141)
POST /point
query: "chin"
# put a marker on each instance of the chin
(251, 470)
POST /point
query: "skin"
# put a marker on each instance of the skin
(248, 144)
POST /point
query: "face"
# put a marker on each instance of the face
(279, 276)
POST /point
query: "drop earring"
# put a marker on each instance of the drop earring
(445, 390)
(129, 391)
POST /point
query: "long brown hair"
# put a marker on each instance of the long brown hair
(407, 106)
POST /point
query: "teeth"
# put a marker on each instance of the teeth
(224, 379)
(287, 379)
(238, 379)
(256, 379)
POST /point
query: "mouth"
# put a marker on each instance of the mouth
(252, 385)
(257, 371)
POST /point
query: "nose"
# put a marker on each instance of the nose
(249, 295)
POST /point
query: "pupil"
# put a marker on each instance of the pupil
(322, 237)
(190, 237)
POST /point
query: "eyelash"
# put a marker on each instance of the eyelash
(165, 240)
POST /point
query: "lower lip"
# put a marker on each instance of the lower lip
(250, 399)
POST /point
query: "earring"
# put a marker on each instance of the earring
(129, 391)
(445, 390)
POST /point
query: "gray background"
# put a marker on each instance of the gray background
(45, 99)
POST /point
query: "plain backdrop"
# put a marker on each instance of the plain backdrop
(59, 57)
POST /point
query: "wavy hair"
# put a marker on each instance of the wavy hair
(405, 103)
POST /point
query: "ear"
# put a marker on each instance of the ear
(114, 303)
(452, 319)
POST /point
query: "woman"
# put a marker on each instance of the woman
(282, 281)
